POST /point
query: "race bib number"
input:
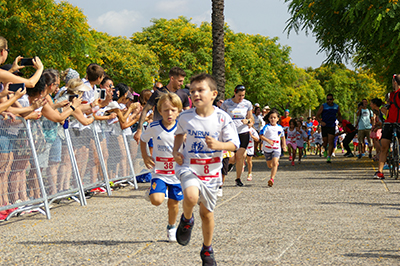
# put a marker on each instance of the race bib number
(165, 166)
(205, 169)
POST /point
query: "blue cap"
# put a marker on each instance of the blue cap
(287, 110)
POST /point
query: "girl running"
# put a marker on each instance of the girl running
(301, 138)
(292, 134)
(273, 139)
(318, 141)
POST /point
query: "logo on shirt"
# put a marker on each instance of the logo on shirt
(197, 147)
(198, 134)
(158, 138)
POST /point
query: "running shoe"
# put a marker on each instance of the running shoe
(290, 158)
(184, 231)
(346, 154)
(292, 163)
(207, 257)
(271, 182)
(239, 182)
(249, 177)
(360, 155)
(219, 193)
(325, 154)
(171, 234)
(350, 155)
(147, 194)
(370, 156)
(328, 160)
(386, 167)
(379, 175)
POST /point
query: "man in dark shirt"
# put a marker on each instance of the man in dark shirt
(176, 78)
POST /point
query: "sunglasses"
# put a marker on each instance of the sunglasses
(329, 99)
(240, 88)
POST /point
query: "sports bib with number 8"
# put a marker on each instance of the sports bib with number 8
(165, 166)
(205, 169)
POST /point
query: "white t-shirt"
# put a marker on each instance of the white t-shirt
(89, 96)
(300, 138)
(238, 112)
(292, 135)
(274, 133)
(250, 146)
(163, 140)
(198, 158)
(317, 138)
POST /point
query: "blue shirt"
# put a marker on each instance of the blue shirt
(328, 114)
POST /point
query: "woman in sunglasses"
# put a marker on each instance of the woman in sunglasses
(240, 110)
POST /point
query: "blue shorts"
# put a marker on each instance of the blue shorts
(5, 144)
(272, 154)
(150, 143)
(174, 190)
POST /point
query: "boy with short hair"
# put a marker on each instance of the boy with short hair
(162, 161)
(209, 131)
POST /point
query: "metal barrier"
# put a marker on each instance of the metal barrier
(42, 162)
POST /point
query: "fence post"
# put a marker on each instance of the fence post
(38, 172)
(128, 154)
(101, 159)
(75, 167)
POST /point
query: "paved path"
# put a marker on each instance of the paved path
(316, 214)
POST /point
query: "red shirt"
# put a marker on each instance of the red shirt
(285, 121)
(394, 112)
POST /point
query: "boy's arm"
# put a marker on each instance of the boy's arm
(220, 146)
(148, 161)
(178, 157)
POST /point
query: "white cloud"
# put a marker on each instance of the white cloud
(198, 19)
(118, 22)
(174, 6)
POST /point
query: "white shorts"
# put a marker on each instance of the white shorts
(207, 195)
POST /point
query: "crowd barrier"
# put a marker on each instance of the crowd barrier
(42, 162)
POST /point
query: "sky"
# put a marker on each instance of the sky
(265, 17)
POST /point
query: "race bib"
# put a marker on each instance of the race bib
(275, 146)
(165, 166)
(205, 169)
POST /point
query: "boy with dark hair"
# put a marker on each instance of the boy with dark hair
(176, 78)
(94, 76)
(208, 131)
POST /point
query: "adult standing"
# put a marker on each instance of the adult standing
(326, 115)
(284, 121)
(240, 110)
(393, 117)
(365, 122)
(176, 77)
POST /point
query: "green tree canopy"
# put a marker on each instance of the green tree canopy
(369, 30)
(57, 33)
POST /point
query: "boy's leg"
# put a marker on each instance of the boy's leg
(190, 199)
(207, 219)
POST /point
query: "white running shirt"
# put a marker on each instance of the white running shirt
(163, 140)
(250, 146)
(198, 158)
(238, 111)
(274, 133)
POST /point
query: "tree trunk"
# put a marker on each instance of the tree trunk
(218, 67)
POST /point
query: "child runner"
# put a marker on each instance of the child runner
(318, 141)
(254, 138)
(301, 138)
(355, 144)
(312, 144)
(291, 140)
(273, 138)
(306, 143)
(162, 161)
(209, 130)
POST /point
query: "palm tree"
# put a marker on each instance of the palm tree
(218, 67)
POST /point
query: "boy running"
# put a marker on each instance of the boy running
(208, 131)
(162, 132)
